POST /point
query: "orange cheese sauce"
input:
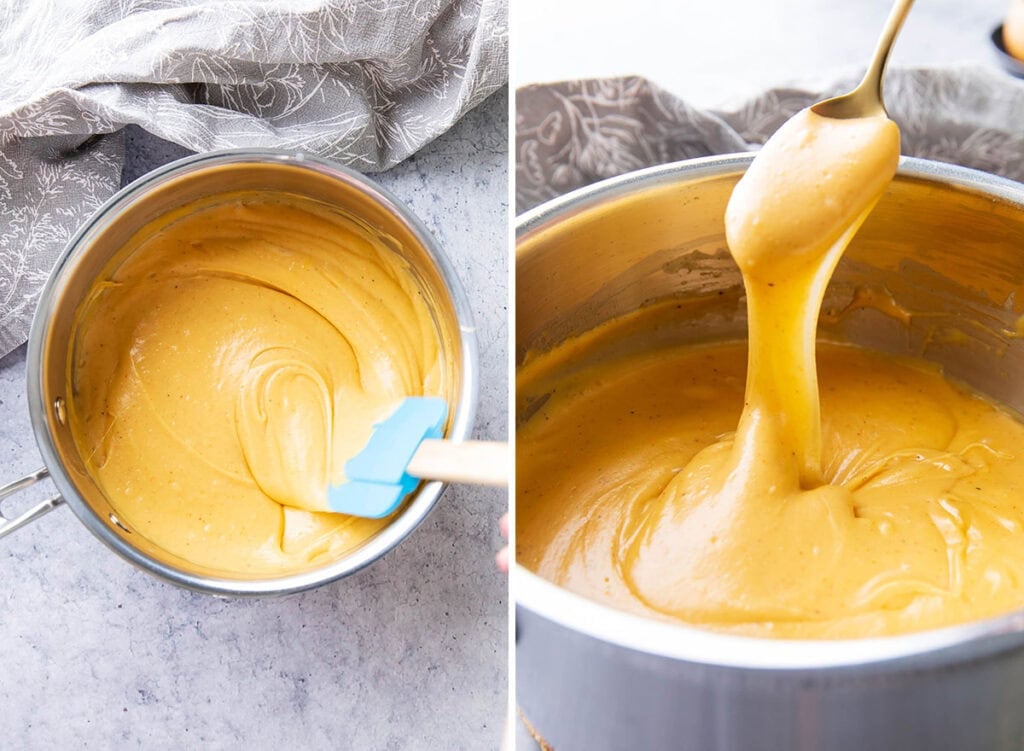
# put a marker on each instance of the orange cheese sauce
(774, 490)
(230, 363)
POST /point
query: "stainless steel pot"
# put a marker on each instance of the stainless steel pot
(93, 247)
(946, 243)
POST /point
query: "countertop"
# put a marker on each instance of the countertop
(714, 54)
(411, 653)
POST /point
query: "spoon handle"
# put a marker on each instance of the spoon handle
(876, 70)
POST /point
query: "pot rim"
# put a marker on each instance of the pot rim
(378, 545)
(972, 640)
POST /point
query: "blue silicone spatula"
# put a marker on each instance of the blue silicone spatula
(406, 448)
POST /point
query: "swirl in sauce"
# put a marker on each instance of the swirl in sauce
(890, 504)
(232, 361)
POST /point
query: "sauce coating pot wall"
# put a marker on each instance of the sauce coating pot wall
(171, 187)
(937, 272)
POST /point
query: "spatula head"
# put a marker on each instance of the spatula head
(377, 481)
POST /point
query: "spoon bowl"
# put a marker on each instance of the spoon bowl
(866, 99)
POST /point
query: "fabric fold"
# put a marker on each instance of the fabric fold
(364, 83)
(574, 133)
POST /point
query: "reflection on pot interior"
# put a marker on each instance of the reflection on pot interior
(758, 490)
(230, 360)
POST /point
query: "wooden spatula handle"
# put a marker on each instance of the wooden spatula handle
(469, 462)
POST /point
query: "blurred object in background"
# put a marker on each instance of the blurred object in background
(1013, 30)
(1008, 40)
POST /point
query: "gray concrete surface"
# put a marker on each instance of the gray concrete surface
(409, 654)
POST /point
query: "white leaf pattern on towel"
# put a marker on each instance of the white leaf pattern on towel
(574, 133)
(365, 82)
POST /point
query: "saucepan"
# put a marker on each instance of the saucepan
(94, 245)
(936, 272)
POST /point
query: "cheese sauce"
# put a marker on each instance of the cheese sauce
(688, 484)
(231, 363)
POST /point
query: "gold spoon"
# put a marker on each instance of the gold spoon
(866, 99)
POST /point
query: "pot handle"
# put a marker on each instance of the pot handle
(8, 525)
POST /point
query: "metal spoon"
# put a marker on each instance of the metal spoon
(866, 99)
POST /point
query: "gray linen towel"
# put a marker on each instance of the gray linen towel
(366, 82)
(575, 133)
